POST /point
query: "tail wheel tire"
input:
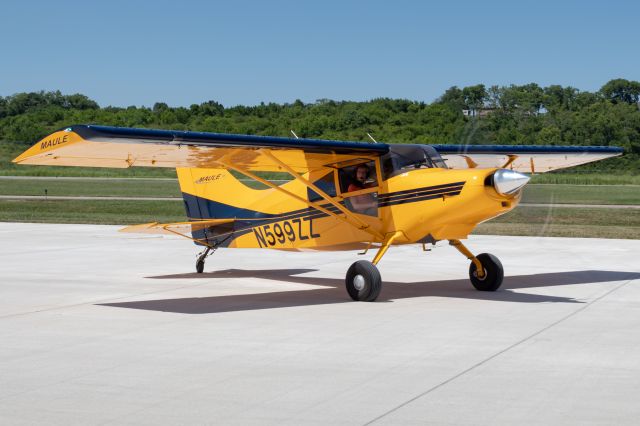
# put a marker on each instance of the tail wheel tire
(200, 266)
(493, 273)
(363, 281)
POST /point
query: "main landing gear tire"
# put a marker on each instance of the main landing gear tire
(363, 281)
(493, 273)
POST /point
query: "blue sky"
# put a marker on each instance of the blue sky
(182, 52)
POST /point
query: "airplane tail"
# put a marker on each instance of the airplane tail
(204, 192)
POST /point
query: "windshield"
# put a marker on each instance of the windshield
(402, 158)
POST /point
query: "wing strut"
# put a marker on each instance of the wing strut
(349, 215)
(350, 218)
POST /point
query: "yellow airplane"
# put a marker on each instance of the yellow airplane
(341, 196)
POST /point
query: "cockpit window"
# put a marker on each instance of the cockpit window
(402, 158)
(326, 184)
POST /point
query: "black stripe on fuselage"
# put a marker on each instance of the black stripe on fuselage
(422, 197)
(417, 191)
(419, 195)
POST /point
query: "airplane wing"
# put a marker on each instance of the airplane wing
(102, 146)
(523, 158)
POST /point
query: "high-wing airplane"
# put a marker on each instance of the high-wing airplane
(341, 196)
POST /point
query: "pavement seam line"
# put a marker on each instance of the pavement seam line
(114, 299)
(97, 302)
(497, 354)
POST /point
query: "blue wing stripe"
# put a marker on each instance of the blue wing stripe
(124, 134)
(525, 149)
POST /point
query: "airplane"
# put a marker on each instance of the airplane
(341, 195)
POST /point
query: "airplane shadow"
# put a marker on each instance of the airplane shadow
(334, 291)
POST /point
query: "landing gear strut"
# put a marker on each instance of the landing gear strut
(201, 257)
(485, 271)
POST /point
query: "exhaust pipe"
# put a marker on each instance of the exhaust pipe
(508, 182)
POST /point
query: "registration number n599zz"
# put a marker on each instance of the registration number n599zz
(281, 232)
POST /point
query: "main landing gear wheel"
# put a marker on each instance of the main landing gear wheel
(363, 281)
(493, 273)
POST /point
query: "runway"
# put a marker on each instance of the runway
(98, 327)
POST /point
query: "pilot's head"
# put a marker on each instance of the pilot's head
(362, 173)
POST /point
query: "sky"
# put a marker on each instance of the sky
(125, 53)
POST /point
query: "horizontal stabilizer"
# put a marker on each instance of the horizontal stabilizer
(176, 228)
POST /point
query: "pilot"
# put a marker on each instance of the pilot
(365, 203)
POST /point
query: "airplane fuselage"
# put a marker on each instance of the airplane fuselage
(425, 205)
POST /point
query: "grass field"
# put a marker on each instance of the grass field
(558, 188)
(568, 177)
(538, 221)
(563, 194)
(91, 187)
(108, 212)
(582, 194)
(566, 222)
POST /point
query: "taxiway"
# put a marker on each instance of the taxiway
(98, 327)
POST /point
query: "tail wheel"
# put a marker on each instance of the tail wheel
(201, 257)
(493, 273)
(363, 281)
(200, 266)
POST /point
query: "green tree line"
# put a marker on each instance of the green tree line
(506, 115)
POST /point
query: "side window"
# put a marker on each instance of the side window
(326, 184)
(357, 178)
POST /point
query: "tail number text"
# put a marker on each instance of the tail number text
(288, 230)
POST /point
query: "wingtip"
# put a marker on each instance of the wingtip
(41, 152)
(25, 155)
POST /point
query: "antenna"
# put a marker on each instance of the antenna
(371, 137)
(294, 134)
